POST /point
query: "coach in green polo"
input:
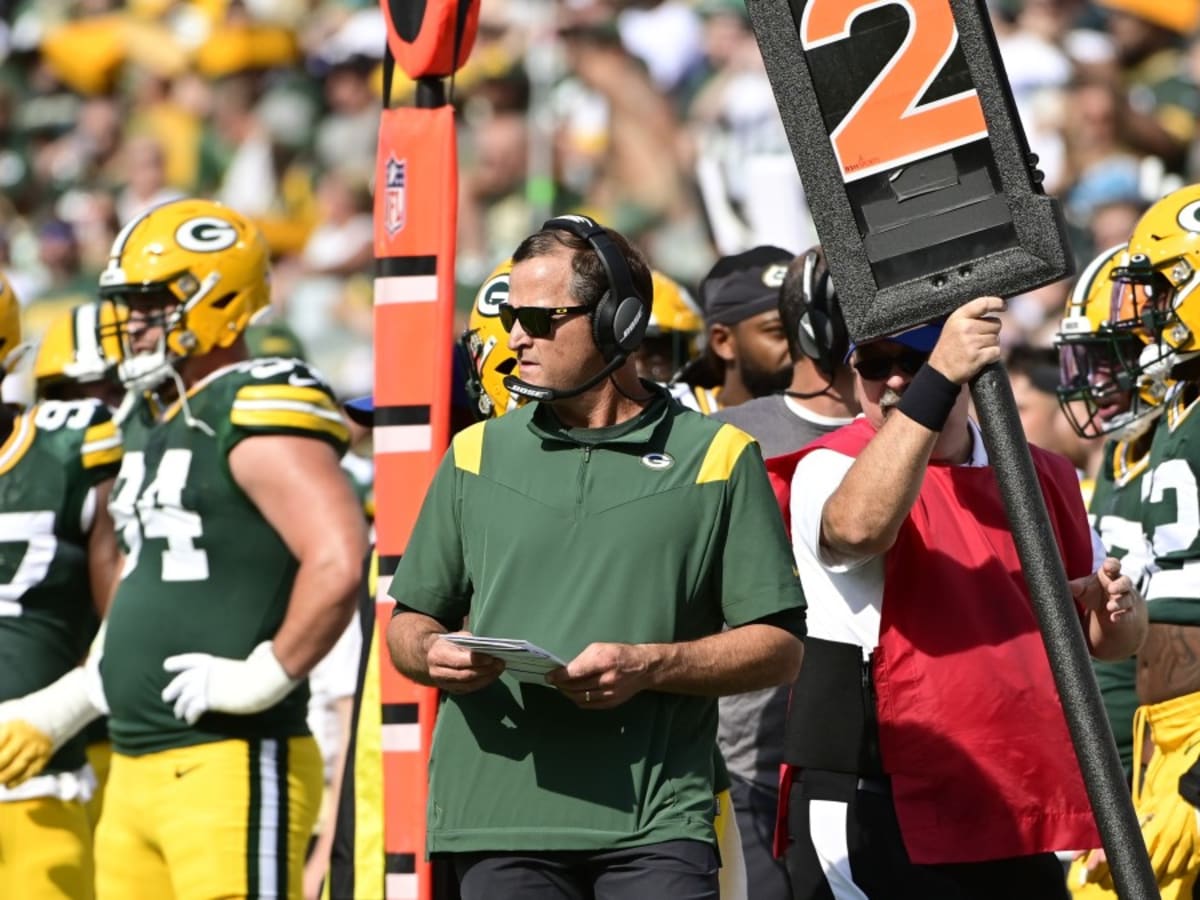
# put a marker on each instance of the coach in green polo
(621, 532)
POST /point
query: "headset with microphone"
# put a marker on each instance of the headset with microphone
(619, 318)
(822, 334)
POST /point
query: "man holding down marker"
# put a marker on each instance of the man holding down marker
(953, 775)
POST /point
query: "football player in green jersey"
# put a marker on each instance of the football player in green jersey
(78, 355)
(58, 563)
(1099, 398)
(1155, 298)
(74, 362)
(243, 545)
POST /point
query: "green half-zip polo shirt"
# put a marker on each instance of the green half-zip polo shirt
(661, 529)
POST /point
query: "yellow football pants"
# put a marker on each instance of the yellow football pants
(1169, 823)
(221, 820)
(45, 850)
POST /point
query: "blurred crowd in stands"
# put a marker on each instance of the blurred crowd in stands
(655, 118)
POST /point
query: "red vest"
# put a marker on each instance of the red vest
(971, 730)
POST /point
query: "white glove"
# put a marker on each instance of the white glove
(92, 682)
(59, 711)
(208, 683)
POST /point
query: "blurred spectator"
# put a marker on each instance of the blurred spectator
(640, 185)
(348, 135)
(1111, 223)
(1103, 167)
(318, 305)
(65, 283)
(92, 215)
(1162, 101)
(87, 152)
(494, 212)
(743, 163)
(666, 37)
(145, 178)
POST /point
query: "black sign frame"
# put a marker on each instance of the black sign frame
(922, 280)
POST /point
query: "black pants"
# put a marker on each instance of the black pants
(671, 870)
(861, 853)
(755, 805)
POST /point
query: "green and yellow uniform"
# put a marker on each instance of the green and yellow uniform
(50, 465)
(1171, 510)
(660, 529)
(1170, 517)
(1115, 511)
(206, 572)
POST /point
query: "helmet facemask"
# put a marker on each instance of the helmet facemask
(163, 305)
(1101, 388)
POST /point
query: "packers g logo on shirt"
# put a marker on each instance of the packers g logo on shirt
(206, 234)
(658, 461)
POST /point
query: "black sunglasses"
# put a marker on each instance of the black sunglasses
(879, 367)
(536, 321)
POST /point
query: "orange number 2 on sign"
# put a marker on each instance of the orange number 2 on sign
(885, 128)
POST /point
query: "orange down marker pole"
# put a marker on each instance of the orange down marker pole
(416, 202)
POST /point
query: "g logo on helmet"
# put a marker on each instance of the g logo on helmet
(1189, 217)
(492, 294)
(206, 234)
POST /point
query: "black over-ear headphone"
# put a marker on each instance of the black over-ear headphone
(822, 335)
(619, 319)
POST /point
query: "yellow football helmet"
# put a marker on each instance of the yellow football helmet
(1099, 390)
(200, 267)
(486, 345)
(1156, 296)
(675, 333)
(673, 310)
(79, 346)
(10, 326)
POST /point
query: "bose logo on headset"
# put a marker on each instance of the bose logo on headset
(632, 325)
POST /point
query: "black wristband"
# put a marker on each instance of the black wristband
(929, 398)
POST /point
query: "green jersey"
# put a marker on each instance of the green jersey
(204, 570)
(661, 529)
(1171, 511)
(50, 465)
(1115, 512)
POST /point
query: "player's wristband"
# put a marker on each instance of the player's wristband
(929, 398)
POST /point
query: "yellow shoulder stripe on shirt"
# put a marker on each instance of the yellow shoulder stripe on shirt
(287, 393)
(17, 443)
(101, 445)
(723, 454)
(468, 448)
(299, 419)
(286, 406)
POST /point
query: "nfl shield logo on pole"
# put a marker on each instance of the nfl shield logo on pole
(393, 219)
